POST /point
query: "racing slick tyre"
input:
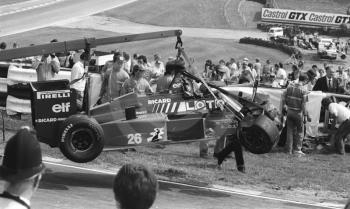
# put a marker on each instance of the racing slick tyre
(258, 135)
(82, 138)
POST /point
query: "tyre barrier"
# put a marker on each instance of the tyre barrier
(270, 44)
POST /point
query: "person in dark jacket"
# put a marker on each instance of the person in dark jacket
(21, 170)
(328, 83)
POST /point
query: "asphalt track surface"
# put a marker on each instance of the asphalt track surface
(65, 187)
(72, 187)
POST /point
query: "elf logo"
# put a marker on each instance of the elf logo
(63, 107)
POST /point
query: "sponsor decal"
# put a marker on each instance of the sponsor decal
(304, 17)
(53, 94)
(183, 106)
(48, 120)
(159, 101)
(63, 107)
(156, 135)
(65, 131)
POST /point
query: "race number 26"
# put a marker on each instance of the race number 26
(134, 138)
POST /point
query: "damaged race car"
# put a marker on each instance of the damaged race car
(139, 120)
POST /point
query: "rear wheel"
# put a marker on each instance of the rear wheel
(258, 135)
(81, 138)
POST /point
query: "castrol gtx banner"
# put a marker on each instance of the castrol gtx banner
(303, 17)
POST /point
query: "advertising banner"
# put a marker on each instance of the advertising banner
(303, 17)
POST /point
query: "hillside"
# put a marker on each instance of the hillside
(332, 6)
(221, 14)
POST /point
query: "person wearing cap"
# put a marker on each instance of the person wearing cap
(117, 77)
(294, 99)
(137, 83)
(21, 170)
(135, 187)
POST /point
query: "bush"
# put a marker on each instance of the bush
(265, 43)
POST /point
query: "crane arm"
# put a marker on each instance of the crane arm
(78, 44)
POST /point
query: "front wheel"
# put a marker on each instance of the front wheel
(82, 138)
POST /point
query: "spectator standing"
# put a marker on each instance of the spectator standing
(127, 63)
(135, 187)
(157, 66)
(342, 76)
(208, 69)
(222, 68)
(233, 67)
(257, 67)
(328, 83)
(136, 83)
(163, 83)
(117, 77)
(281, 75)
(267, 70)
(311, 79)
(21, 170)
(143, 63)
(77, 79)
(316, 71)
(134, 60)
(294, 100)
(294, 75)
(246, 74)
(48, 67)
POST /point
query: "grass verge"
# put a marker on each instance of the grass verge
(186, 13)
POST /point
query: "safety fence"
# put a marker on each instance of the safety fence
(15, 90)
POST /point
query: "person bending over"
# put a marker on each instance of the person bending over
(341, 115)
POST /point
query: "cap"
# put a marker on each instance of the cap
(245, 60)
(22, 157)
